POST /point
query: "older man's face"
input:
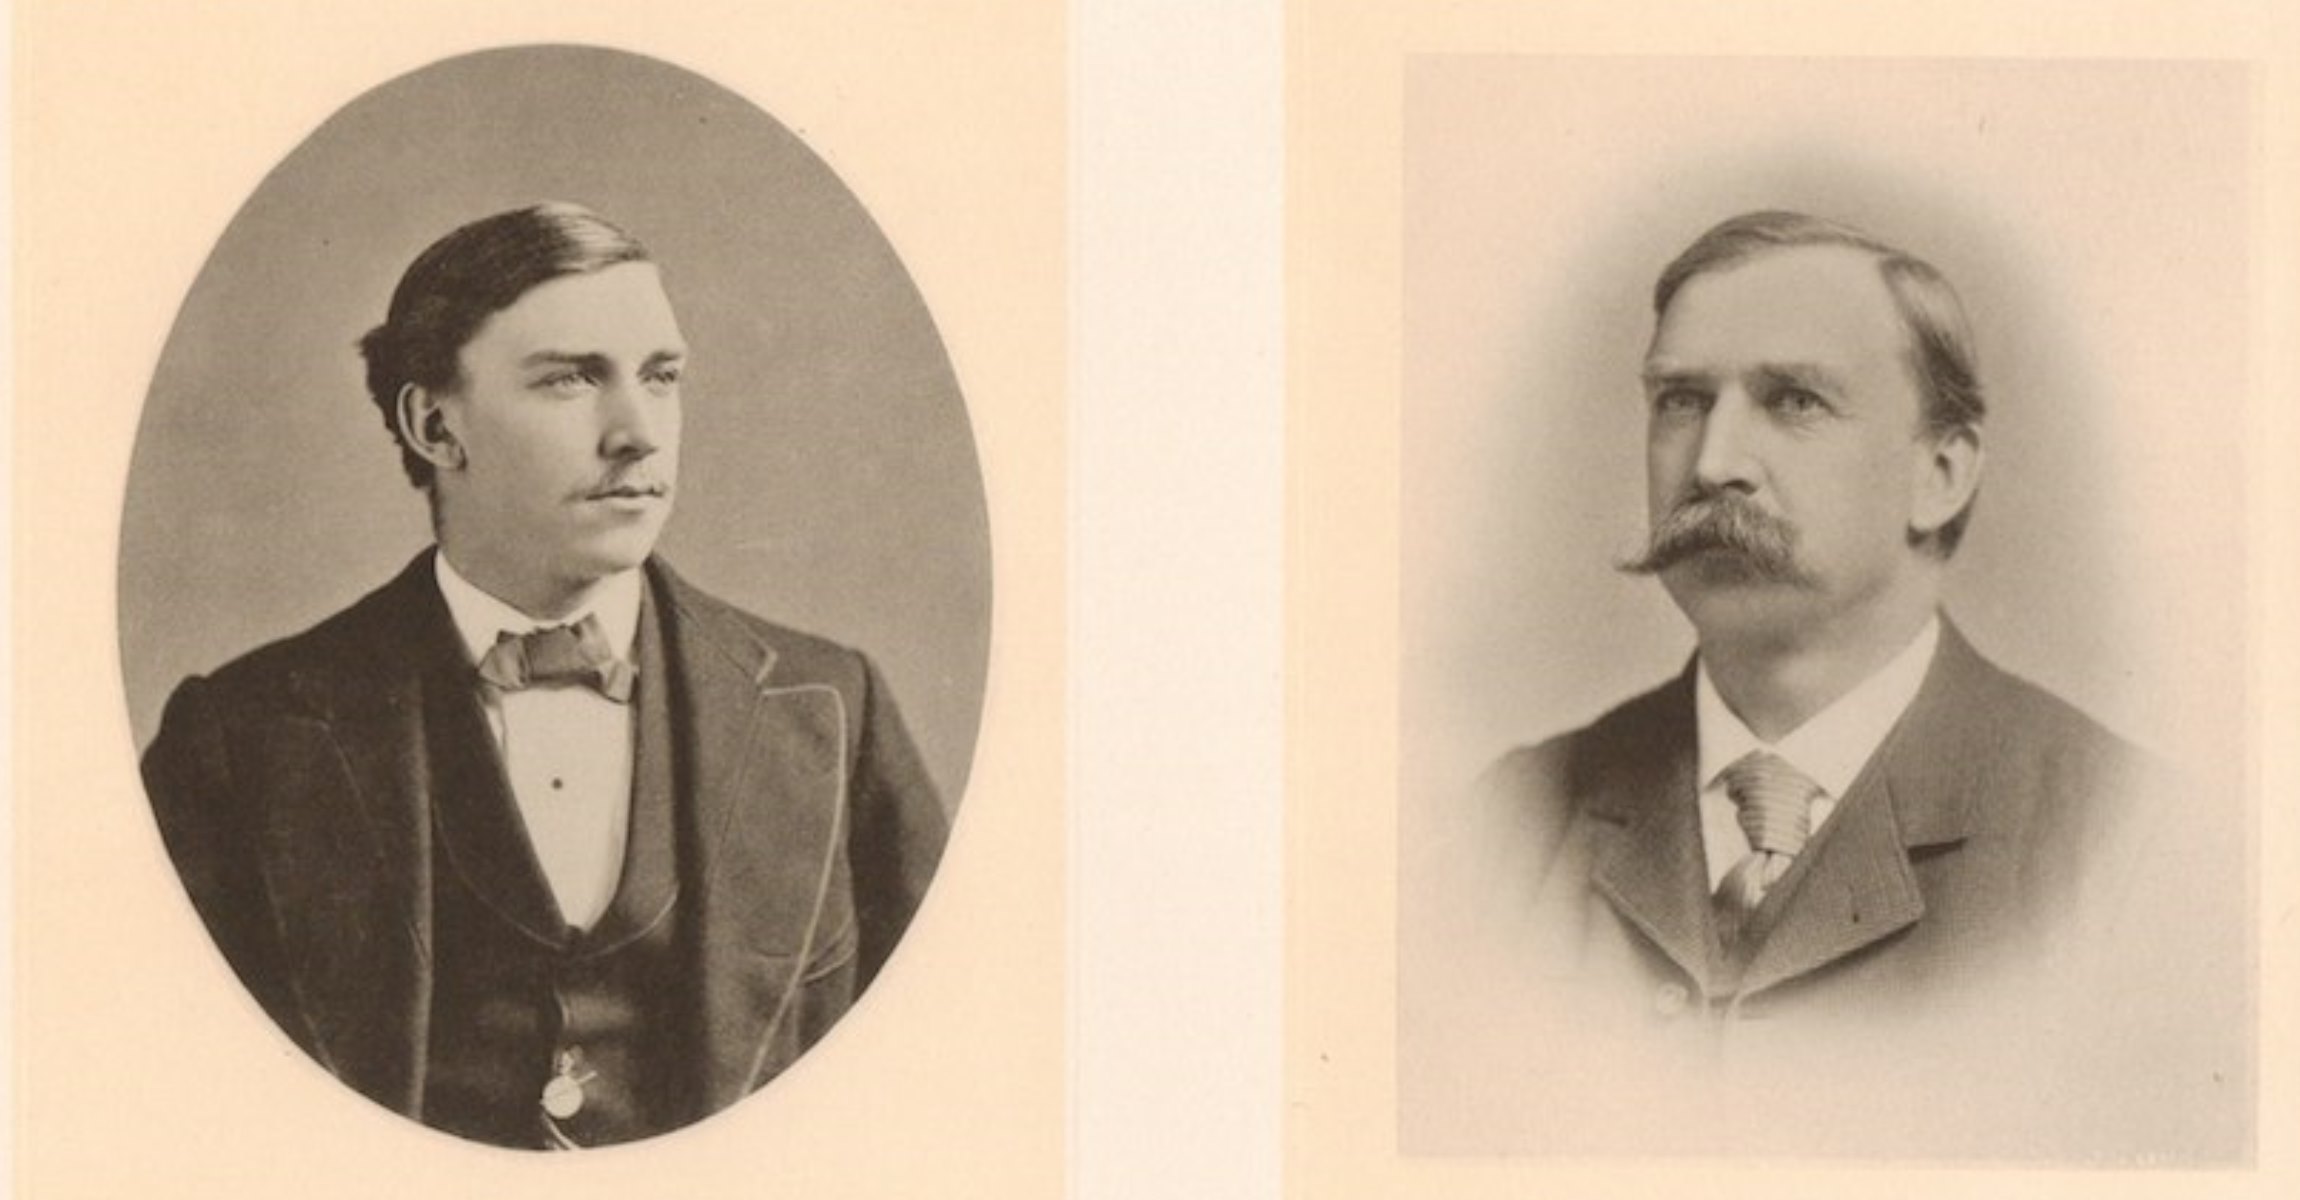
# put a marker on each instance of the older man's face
(568, 418)
(1781, 386)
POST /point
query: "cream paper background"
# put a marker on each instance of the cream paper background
(142, 1068)
(142, 68)
(1459, 485)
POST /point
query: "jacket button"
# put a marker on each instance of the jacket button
(1670, 999)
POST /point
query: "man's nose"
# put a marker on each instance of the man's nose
(1725, 460)
(631, 425)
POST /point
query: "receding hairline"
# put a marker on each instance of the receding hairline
(1879, 259)
(1755, 234)
(1879, 273)
(1918, 296)
(1938, 350)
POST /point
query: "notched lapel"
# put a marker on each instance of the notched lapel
(1654, 873)
(346, 860)
(1856, 888)
(1859, 885)
(768, 766)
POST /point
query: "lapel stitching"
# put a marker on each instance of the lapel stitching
(714, 631)
(831, 847)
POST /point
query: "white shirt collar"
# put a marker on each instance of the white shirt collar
(479, 617)
(1832, 745)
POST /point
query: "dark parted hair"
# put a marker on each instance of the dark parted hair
(451, 289)
(1940, 341)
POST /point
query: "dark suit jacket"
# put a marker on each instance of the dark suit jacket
(294, 788)
(1999, 875)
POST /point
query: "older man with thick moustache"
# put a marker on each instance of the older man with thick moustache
(538, 843)
(1842, 852)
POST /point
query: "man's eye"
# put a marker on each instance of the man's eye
(565, 381)
(664, 377)
(1797, 402)
(1672, 402)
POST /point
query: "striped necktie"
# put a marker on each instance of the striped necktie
(1774, 803)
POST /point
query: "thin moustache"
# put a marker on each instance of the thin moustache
(628, 486)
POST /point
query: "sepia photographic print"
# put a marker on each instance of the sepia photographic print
(1083, 598)
(553, 497)
(1823, 661)
(544, 842)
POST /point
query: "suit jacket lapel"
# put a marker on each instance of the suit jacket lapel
(765, 768)
(1856, 885)
(347, 858)
(1654, 872)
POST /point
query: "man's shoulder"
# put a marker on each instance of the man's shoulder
(346, 662)
(370, 633)
(787, 656)
(1524, 803)
(1636, 732)
(1990, 720)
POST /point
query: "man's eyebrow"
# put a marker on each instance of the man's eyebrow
(596, 361)
(1805, 375)
(1657, 374)
(570, 358)
(1797, 374)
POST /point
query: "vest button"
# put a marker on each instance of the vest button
(1671, 998)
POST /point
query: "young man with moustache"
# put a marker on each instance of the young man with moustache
(1876, 892)
(538, 843)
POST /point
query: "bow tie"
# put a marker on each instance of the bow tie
(561, 656)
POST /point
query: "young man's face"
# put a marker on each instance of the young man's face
(1783, 382)
(567, 416)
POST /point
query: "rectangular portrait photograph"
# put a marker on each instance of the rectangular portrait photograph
(1799, 499)
(1813, 721)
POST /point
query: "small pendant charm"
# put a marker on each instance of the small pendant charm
(563, 1096)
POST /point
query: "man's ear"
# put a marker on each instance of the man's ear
(1948, 472)
(424, 427)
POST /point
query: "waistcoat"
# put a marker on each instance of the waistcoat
(543, 1035)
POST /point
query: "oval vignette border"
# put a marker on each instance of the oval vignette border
(830, 478)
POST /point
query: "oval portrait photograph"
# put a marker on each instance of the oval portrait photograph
(555, 597)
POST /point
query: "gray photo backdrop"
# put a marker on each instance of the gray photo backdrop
(829, 475)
